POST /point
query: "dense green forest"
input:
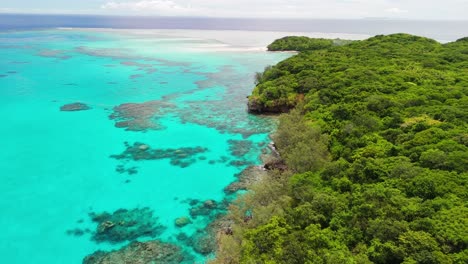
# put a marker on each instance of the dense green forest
(376, 146)
(296, 43)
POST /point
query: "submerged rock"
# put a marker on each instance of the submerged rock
(74, 107)
(139, 253)
(210, 204)
(125, 225)
(182, 221)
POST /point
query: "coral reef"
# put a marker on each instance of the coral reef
(77, 232)
(228, 112)
(182, 157)
(139, 116)
(207, 208)
(240, 163)
(125, 225)
(75, 107)
(130, 171)
(140, 253)
(245, 179)
(240, 148)
(203, 241)
(182, 221)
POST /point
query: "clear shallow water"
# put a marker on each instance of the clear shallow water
(56, 167)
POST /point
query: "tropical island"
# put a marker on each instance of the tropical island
(373, 164)
(369, 162)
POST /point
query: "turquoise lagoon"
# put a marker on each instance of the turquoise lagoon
(168, 92)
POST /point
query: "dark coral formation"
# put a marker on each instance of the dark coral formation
(75, 107)
(203, 241)
(140, 253)
(240, 163)
(207, 208)
(77, 232)
(182, 157)
(139, 116)
(240, 148)
(125, 225)
(130, 171)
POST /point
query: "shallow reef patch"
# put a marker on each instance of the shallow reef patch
(141, 252)
(181, 157)
(208, 208)
(125, 225)
(140, 116)
(203, 241)
(73, 107)
(240, 148)
(228, 114)
(122, 169)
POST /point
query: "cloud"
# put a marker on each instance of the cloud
(419, 9)
(396, 10)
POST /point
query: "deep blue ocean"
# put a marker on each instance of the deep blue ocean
(163, 126)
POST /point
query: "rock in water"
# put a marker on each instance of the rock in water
(139, 253)
(74, 107)
(182, 221)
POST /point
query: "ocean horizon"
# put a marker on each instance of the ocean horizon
(441, 30)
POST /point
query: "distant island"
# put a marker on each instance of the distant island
(373, 164)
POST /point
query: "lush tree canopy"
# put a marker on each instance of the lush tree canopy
(296, 43)
(377, 150)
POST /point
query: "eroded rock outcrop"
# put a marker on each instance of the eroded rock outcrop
(254, 106)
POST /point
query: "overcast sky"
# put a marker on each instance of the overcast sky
(409, 9)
